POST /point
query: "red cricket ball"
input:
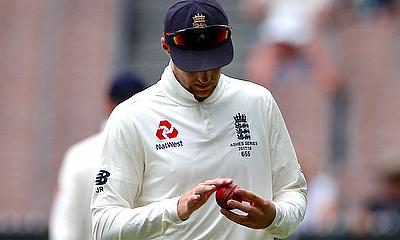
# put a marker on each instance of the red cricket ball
(225, 193)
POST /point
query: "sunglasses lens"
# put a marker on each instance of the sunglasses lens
(182, 39)
(219, 35)
(201, 38)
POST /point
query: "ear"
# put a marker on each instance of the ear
(109, 106)
(164, 45)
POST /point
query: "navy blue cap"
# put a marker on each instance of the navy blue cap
(124, 86)
(179, 17)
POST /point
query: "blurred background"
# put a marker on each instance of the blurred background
(338, 89)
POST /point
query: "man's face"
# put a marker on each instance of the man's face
(200, 84)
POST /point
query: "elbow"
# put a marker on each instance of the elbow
(100, 231)
(105, 224)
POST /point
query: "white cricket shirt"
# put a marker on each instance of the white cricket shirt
(162, 142)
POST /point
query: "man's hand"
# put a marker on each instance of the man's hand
(198, 196)
(259, 214)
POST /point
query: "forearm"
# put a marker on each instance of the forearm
(289, 184)
(134, 223)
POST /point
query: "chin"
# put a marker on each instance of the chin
(200, 99)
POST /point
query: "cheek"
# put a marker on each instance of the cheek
(216, 75)
(186, 82)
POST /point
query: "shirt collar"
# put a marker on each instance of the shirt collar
(178, 93)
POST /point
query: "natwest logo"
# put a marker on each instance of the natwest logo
(166, 131)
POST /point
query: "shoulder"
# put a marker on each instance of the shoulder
(81, 158)
(124, 118)
(87, 144)
(141, 100)
(86, 151)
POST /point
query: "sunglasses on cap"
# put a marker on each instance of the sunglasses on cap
(199, 38)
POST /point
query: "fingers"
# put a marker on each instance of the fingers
(247, 208)
(219, 181)
(252, 217)
(203, 189)
(208, 187)
(258, 214)
(198, 196)
(240, 219)
(250, 197)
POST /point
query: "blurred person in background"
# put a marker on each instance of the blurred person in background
(369, 34)
(70, 213)
(291, 58)
(384, 207)
(380, 213)
(288, 35)
(322, 213)
(374, 7)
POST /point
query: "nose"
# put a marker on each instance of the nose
(204, 80)
(204, 77)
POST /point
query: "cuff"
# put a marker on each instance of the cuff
(172, 210)
(279, 215)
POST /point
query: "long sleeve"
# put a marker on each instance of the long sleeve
(115, 212)
(288, 182)
(69, 217)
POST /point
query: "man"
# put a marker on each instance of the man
(170, 147)
(70, 214)
(289, 33)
